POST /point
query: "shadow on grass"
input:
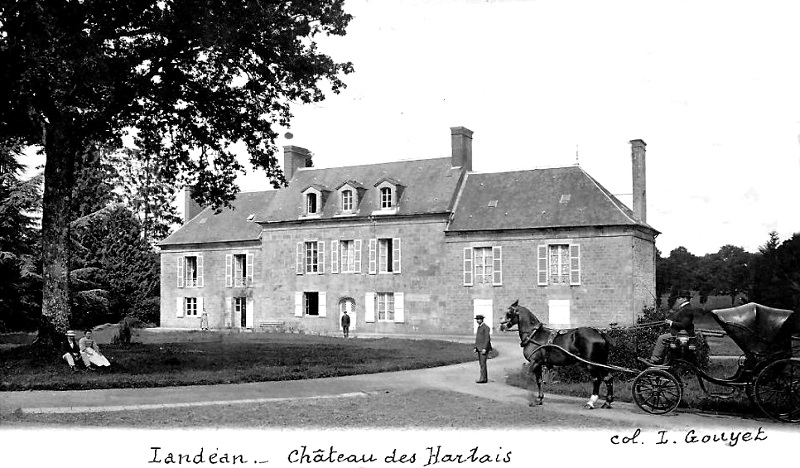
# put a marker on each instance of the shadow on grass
(212, 358)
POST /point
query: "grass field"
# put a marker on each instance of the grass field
(213, 358)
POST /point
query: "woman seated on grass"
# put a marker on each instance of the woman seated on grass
(91, 352)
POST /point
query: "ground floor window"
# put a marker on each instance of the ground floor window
(384, 305)
(190, 306)
(311, 303)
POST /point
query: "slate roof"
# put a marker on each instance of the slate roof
(428, 186)
(540, 198)
(230, 225)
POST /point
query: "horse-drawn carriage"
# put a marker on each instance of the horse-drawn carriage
(767, 372)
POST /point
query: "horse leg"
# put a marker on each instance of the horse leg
(595, 373)
(609, 380)
(537, 374)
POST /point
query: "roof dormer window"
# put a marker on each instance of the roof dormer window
(388, 194)
(347, 200)
(387, 198)
(312, 203)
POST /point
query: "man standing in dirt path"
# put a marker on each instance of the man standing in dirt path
(483, 344)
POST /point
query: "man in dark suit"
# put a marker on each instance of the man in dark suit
(680, 319)
(483, 344)
(70, 351)
(345, 324)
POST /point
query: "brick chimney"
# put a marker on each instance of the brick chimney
(461, 142)
(294, 157)
(190, 207)
(639, 180)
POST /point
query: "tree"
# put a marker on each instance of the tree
(19, 238)
(146, 190)
(114, 270)
(768, 289)
(176, 75)
(677, 273)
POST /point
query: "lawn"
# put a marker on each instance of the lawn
(212, 358)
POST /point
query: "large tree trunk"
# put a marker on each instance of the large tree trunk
(59, 175)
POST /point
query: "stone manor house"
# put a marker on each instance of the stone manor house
(413, 247)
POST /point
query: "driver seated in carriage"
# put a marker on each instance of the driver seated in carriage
(681, 319)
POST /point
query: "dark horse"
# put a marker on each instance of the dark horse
(547, 347)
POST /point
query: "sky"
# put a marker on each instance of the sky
(712, 87)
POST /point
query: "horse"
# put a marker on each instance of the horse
(543, 346)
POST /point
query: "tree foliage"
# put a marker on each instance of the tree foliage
(187, 79)
(20, 200)
(114, 271)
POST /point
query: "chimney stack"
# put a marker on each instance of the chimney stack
(294, 157)
(639, 180)
(461, 142)
(190, 207)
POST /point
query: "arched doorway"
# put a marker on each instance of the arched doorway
(348, 304)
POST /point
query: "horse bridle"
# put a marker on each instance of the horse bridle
(529, 337)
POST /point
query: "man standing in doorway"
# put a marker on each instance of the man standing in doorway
(483, 344)
(346, 324)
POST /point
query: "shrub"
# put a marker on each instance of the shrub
(630, 343)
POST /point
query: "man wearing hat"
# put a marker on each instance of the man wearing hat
(680, 319)
(483, 345)
(70, 351)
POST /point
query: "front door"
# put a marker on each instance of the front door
(483, 307)
(348, 304)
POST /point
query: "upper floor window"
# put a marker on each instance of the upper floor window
(238, 270)
(311, 203)
(384, 255)
(347, 200)
(559, 264)
(190, 271)
(310, 257)
(483, 265)
(386, 198)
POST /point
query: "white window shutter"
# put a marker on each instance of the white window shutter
(369, 307)
(373, 256)
(396, 251)
(228, 312)
(323, 306)
(541, 265)
(321, 257)
(200, 306)
(298, 304)
(335, 257)
(399, 307)
(497, 265)
(200, 271)
(468, 266)
(228, 270)
(249, 313)
(180, 271)
(357, 262)
(250, 262)
(575, 264)
(299, 259)
(179, 307)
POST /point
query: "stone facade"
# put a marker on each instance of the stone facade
(452, 243)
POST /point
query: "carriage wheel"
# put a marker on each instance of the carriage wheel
(778, 390)
(657, 391)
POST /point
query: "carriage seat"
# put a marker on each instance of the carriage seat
(683, 341)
